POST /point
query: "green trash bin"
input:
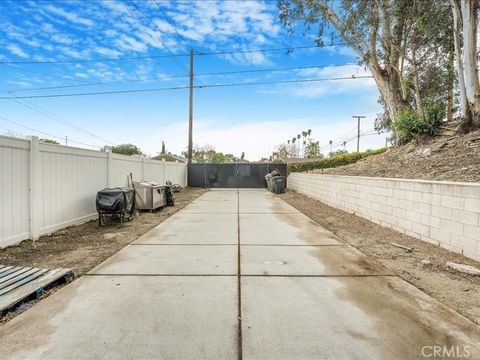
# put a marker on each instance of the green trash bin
(278, 184)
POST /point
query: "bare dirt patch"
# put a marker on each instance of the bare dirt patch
(83, 247)
(455, 158)
(458, 291)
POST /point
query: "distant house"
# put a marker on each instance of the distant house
(170, 157)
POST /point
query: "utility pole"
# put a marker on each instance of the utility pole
(190, 111)
(66, 140)
(358, 130)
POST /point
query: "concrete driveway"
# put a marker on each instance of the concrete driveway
(239, 274)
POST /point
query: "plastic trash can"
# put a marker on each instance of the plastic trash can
(278, 184)
(268, 179)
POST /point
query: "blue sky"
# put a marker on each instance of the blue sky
(254, 119)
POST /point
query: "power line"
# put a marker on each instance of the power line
(155, 33)
(30, 71)
(151, 57)
(57, 118)
(44, 133)
(186, 87)
(340, 143)
(289, 49)
(178, 77)
(185, 46)
(10, 132)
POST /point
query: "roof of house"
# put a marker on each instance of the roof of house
(170, 157)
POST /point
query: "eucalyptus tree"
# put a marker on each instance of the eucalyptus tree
(465, 21)
(401, 42)
(373, 29)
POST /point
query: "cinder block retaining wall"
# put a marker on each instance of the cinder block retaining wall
(443, 213)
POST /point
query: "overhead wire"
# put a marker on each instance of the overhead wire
(152, 57)
(172, 77)
(21, 69)
(346, 141)
(185, 87)
(171, 55)
(182, 43)
(45, 133)
(57, 118)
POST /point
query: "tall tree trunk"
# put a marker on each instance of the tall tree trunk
(388, 79)
(416, 84)
(469, 22)
(389, 86)
(457, 24)
(451, 85)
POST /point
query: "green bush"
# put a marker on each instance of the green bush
(434, 115)
(408, 123)
(335, 161)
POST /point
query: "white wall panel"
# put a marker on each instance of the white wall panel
(440, 212)
(70, 181)
(65, 181)
(14, 195)
(122, 167)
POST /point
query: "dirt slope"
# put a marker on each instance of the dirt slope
(455, 158)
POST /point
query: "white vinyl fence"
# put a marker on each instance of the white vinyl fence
(47, 187)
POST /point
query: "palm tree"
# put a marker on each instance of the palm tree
(331, 148)
(304, 135)
(298, 138)
(313, 149)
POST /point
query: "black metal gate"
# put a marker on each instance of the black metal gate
(231, 175)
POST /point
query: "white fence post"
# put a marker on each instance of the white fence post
(35, 188)
(109, 169)
(143, 169)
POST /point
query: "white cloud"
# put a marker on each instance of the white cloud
(216, 24)
(63, 39)
(16, 50)
(356, 83)
(18, 83)
(81, 75)
(117, 8)
(129, 43)
(47, 27)
(108, 52)
(74, 18)
(71, 53)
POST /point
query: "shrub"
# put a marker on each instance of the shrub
(335, 161)
(434, 115)
(408, 123)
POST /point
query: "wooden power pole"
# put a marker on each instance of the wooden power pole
(190, 112)
(358, 130)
